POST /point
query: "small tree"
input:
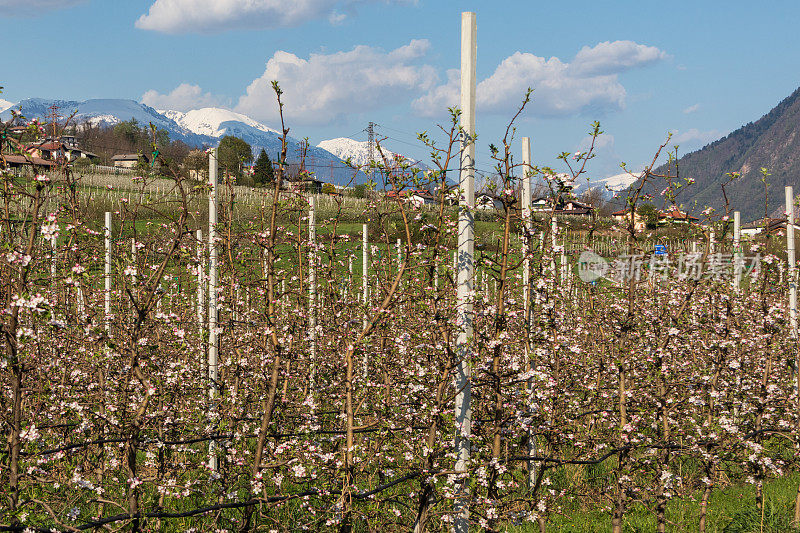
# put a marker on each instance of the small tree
(360, 191)
(328, 188)
(234, 154)
(196, 165)
(262, 171)
(650, 215)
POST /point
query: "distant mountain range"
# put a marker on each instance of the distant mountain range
(771, 142)
(346, 148)
(197, 128)
(358, 152)
(609, 186)
(205, 127)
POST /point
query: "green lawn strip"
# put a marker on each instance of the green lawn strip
(730, 510)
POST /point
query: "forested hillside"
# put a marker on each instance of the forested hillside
(771, 142)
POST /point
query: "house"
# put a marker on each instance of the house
(309, 184)
(563, 206)
(17, 163)
(62, 149)
(623, 216)
(129, 160)
(676, 216)
(417, 196)
(769, 226)
(573, 207)
(486, 202)
(541, 203)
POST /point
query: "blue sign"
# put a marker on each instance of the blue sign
(660, 249)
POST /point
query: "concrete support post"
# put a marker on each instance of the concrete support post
(213, 340)
(466, 269)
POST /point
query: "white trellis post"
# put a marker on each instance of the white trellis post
(553, 245)
(312, 290)
(134, 264)
(399, 253)
(53, 257)
(791, 271)
(466, 270)
(526, 219)
(737, 250)
(365, 264)
(213, 341)
(350, 278)
(200, 279)
(526, 287)
(365, 278)
(80, 302)
(107, 277)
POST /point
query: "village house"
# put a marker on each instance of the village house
(563, 206)
(129, 160)
(18, 163)
(574, 208)
(59, 150)
(417, 196)
(486, 202)
(676, 216)
(623, 216)
(768, 226)
(673, 215)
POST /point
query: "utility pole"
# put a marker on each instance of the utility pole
(53, 116)
(371, 140)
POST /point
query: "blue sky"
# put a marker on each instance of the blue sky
(700, 69)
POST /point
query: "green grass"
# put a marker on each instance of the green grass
(730, 510)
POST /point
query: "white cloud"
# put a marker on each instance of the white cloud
(691, 109)
(33, 7)
(184, 97)
(693, 139)
(325, 87)
(208, 16)
(588, 84)
(336, 18)
(608, 58)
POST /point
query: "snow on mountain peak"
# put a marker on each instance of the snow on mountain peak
(346, 148)
(357, 151)
(212, 121)
(5, 104)
(617, 182)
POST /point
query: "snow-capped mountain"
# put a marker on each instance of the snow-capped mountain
(213, 121)
(616, 183)
(345, 148)
(358, 151)
(108, 112)
(5, 104)
(610, 185)
(197, 128)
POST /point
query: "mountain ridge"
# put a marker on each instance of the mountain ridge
(770, 142)
(197, 128)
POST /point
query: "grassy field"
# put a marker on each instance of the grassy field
(731, 510)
